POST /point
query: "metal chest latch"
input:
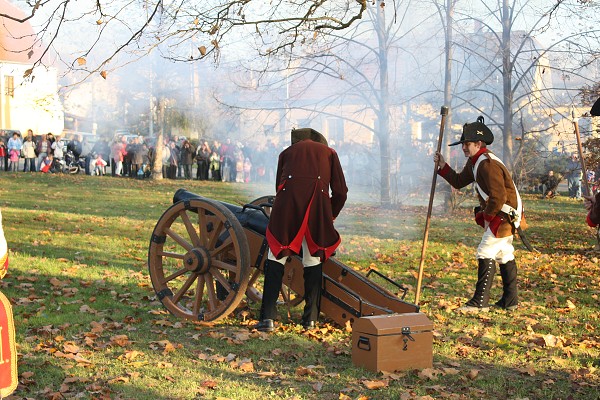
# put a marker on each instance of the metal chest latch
(406, 337)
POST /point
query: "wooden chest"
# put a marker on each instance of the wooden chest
(393, 342)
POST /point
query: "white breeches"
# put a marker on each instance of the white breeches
(307, 259)
(499, 249)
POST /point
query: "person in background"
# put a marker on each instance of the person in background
(99, 165)
(29, 154)
(75, 146)
(203, 160)
(549, 185)
(29, 134)
(57, 148)
(14, 143)
(3, 155)
(127, 157)
(13, 157)
(173, 161)
(215, 166)
(118, 152)
(166, 156)
(51, 140)
(302, 219)
(187, 158)
(574, 176)
(100, 147)
(146, 161)
(46, 165)
(247, 169)
(226, 152)
(499, 203)
(137, 158)
(43, 149)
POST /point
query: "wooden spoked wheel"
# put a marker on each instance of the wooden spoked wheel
(199, 260)
(287, 295)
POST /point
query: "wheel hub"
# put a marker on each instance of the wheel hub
(197, 260)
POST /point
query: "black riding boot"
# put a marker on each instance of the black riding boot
(509, 298)
(485, 278)
(313, 280)
(268, 308)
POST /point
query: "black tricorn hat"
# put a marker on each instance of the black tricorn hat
(307, 133)
(474, 132)
(595, 111)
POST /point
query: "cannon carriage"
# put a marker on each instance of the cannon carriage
(206, 257)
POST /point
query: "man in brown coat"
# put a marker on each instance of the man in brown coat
(592, 203)
(499, 201)
(302, 219)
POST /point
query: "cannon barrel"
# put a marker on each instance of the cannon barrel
(250, 217)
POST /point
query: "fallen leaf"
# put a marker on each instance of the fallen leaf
(209, 384)
(371, 385)
(429, 373)
(472, 375)
(120, 340)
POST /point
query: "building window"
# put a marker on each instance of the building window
(9, 84)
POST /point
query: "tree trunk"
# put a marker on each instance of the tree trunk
(383, 130)
(157, 156)
(507, 69)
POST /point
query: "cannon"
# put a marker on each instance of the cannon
(206, 257)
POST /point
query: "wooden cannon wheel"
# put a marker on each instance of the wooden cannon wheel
(287, 295)
(199, 260)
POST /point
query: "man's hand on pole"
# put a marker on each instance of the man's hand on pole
(439, 159)
(589, 202)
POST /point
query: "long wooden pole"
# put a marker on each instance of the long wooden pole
(580, 151)
(444, 113)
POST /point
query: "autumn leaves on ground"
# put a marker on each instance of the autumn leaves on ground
(90, 326)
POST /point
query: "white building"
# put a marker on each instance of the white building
(28, 98)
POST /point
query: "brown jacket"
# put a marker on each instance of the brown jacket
(495, 180)
(302, 207)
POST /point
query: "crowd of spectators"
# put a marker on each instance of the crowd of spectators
(37, 153)
(131, 156)
(227, 161)
(184, 159)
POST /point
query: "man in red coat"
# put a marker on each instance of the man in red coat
(302, 218)
(499, 201)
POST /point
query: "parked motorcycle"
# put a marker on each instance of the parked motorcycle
(72, 164)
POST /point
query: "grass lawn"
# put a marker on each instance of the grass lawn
(89, 324)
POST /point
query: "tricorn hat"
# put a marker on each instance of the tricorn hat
(474, 132)
(307, 133)
(595, 111)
